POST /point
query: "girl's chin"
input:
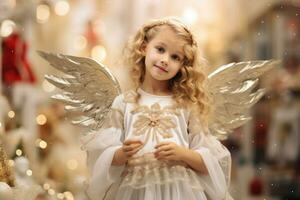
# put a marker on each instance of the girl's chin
(159, 78)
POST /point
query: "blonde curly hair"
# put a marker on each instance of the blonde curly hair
(187, 86)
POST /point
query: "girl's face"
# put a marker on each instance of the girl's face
(164, 55)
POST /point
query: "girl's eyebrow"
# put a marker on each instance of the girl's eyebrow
(161, 43)
(177, 52)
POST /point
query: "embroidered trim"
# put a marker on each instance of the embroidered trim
(153, 121)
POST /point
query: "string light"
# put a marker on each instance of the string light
(19, 152)
(51, 192)
(67, 195)
(7, 27)
(11, 114)
(62, 8)
(42, 13)
(72, 164)
(46, 186)
(29, 172)
(41, 119)
(60, 196)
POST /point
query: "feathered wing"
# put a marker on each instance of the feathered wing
(233, 88)
(88, 87)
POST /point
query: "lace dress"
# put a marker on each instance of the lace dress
(152, 120)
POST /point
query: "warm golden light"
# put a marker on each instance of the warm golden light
(62, 8)
(51, 192)
(41, 119)
(42, 13)
(72, 164)
(99, 53)
(11, 114)
(19, 152)
(60, 196)
(29, 172)
(68, 195)
(46, 186)
(11, 163)
(189, 16)
(80, 42)
(43, 144)
(7, 27)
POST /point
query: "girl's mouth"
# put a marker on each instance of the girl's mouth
(162, 69)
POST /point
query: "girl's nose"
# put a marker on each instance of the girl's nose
(164, 60)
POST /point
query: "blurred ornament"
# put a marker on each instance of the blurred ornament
(15, 65)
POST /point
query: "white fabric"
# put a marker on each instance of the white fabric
(108, 182)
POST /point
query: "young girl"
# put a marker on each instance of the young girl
(154, 144)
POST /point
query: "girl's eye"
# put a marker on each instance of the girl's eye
(160, 49)
(176, 58)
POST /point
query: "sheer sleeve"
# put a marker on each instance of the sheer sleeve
(216, 157)
(100, 147)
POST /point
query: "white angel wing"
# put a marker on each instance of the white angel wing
(234, 90)
(88, 87)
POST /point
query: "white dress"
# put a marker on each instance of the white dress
(153, 120)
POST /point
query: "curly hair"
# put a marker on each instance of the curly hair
(187, 86)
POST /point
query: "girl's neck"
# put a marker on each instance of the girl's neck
(156, 87)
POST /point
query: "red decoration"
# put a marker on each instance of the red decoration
(15, 66)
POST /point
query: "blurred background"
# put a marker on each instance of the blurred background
(39, 146)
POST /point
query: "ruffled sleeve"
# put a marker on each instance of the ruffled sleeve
(216, 158)
(101, 147)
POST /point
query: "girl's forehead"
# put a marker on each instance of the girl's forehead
(167, 35)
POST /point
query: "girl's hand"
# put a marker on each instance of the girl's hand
(170, 151)
(131, 147)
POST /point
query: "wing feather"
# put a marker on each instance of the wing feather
(87, 87)
(234, 90)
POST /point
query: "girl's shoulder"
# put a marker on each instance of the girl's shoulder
(130, 96)
(125, 97)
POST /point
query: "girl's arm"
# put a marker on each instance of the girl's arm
(171, 151)
(194, 160)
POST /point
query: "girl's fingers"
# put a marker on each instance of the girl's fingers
(131, 147)
(163, 148)
(132, 152)
(162, 144)
(163, 154)
(128, 142)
